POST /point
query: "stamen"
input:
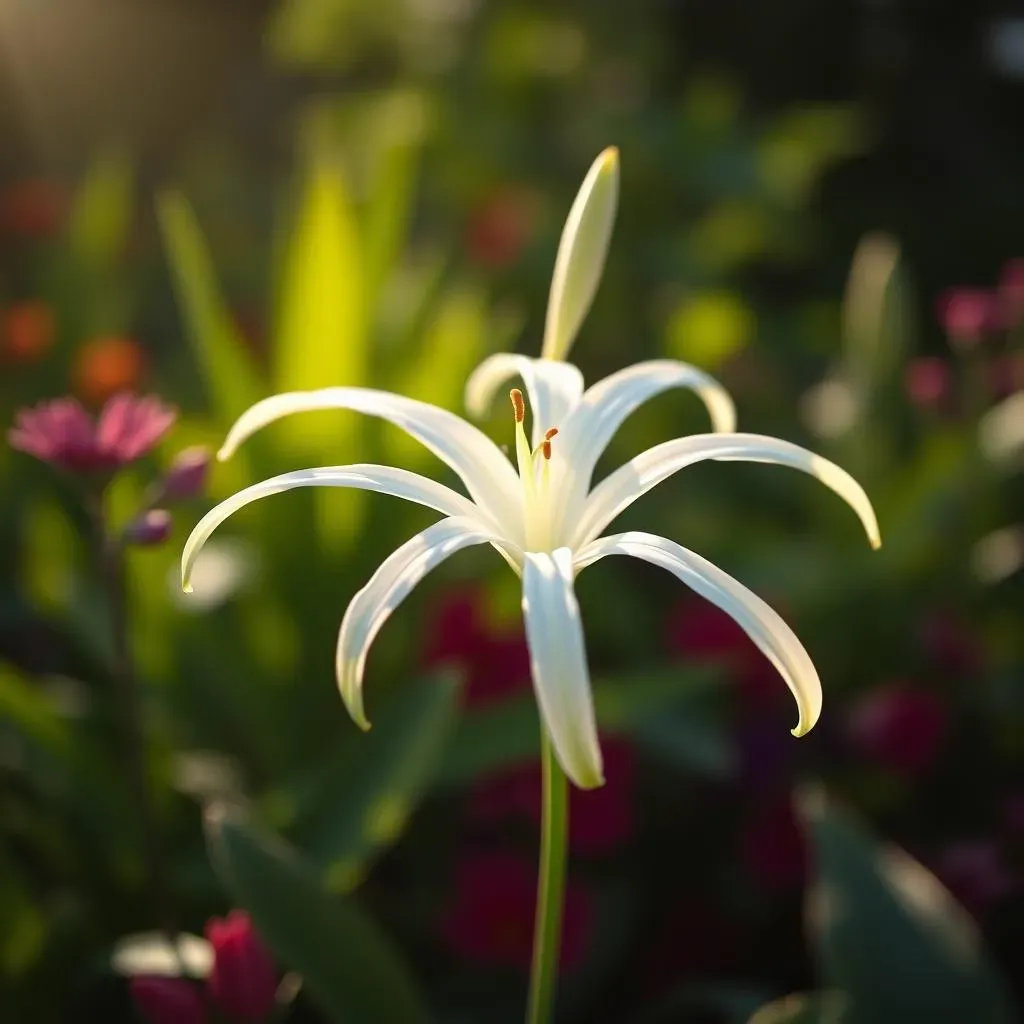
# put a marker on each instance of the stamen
(518, 404)
(550, 433)
(546, 448)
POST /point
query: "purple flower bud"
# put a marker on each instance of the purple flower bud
(187, 476)
(149, 529)
(243, 981)
(168, 1000)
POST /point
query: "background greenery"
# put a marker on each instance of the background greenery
(219, 201)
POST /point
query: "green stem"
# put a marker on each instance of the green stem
(551, 886)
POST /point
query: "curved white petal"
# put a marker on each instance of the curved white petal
(559, 664)
(606, 405)
(385, 479)
(484, 469)
(757, 619)
(649, 468)
(388, 587)
(553, 388)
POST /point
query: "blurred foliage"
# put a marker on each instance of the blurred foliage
(433, 148)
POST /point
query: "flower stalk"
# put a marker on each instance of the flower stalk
(547, 936)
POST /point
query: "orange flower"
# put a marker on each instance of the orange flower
(105, 366)
(27, 332)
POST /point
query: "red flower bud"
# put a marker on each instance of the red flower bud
(187, 476)
(243, 981)
(163, 1000)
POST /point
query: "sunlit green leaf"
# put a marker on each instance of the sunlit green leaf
(101, 214)
(803, 1008)
(229, 373)
(889, 936)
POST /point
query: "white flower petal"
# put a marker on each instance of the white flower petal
(607, 404)
(483, 468)
(553, 388)
(389, 586)
(385, 479)
(648, 469)
(581, 254)
(757, 619)
(559, 664)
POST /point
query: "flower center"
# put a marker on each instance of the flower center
(535, 476)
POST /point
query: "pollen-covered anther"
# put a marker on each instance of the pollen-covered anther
(546, 448)
(518, 404)
(550, 433)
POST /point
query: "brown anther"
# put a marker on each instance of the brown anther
(546, 449)
(550, 433)
(518, 404)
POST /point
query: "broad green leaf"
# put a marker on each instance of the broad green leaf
(347, 964)
(507, 734)
(803, 1008)
(361, 802)
(101, 214)
(229, 373)
(321, 325)
(581, 255)
(889, 936)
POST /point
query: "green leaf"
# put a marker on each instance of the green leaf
(507, 734)
(321, 326)
(581, 254)
(229, 373)
(347, 964)
(102, 211)
(361, 803)
(889, 935)
(803, 1008)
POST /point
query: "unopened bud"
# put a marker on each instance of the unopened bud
(243, 982)
(149, 529)
(187, 476)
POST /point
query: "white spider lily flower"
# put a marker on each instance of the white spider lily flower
(543, 516)
(545, 520)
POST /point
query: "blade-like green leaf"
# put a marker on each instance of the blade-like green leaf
(347, 965)
(230, 375)
(321, 325)
(889, 935)
(803, 1008)
(101, 213)
(361, 803)
(506, 734)
(581, 254)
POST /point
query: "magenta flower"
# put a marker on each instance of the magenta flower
(928, 381)
(62, 433)
(967, 314)
(163, 1000)
(243, 982)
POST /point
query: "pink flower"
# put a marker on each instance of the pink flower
(1011, 291)
(491, 916)
(162, 1000)
(243, 981)
(699, 631)
(772, 848)
(600, 820)
(967, 314)
(62, 433)
(500, 227)
(901, 728)
(496, 664)
(928, 381)
(976, 873)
